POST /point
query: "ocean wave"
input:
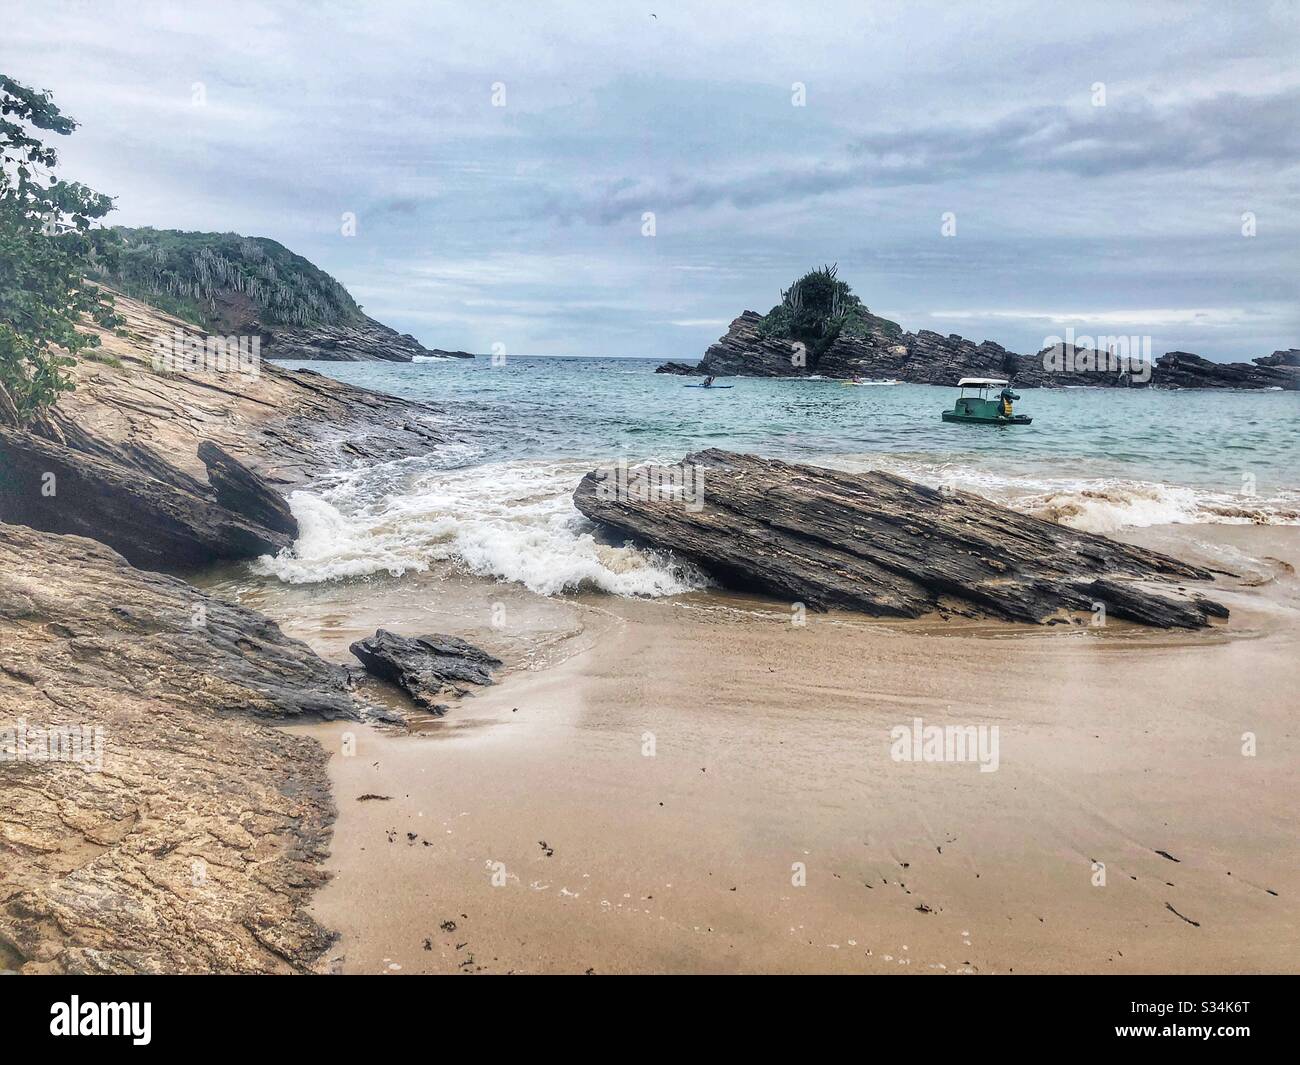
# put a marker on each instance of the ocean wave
(1099, 504)
(511, 521)
(1110, 507)
(515, 521)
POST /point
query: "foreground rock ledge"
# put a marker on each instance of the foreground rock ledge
(196, 843)
(887, 546)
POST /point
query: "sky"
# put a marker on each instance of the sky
(1003, 170)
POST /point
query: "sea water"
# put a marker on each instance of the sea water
(496, 500)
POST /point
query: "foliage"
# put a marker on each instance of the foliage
(47, 246)
(818, 308)
(187, 274)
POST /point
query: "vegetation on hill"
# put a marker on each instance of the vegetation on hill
(189, 274)
(818, 308)
(47, 244)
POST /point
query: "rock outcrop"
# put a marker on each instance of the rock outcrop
(239, 489)
(1181, 369)
(286, 425)
(883, 545)
(182, 832)
(925, 357)
(370, 341)
(155, 523)
(882, 353)
(154, 820)
(178, 469)
(426, 667)
(1289, 357)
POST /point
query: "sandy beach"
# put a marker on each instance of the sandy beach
(696, 784)
(730, 490)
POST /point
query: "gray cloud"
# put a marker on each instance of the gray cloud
(1126, 135)
(521, 224)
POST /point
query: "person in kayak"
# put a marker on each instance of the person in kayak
(1005, 397)
(708, 383)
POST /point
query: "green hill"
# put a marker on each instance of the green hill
(224, 280)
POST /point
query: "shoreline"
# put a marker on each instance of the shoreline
(196, 839)
(756, 773)
(770, 749)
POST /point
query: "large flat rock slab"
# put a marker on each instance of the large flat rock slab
(884, 545)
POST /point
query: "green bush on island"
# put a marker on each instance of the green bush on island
(48, 244)
(185, 273)
(819, 308)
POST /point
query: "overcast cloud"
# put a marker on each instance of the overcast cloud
(522, 224)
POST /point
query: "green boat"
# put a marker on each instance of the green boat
(979, 409)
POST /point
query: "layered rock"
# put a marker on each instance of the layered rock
(156, 523)
(286, 425)
(683, 369)
(188, 833)
(883, 545)
(1181, 369)
(370, 341)
(1289, 357)
(239, 489)
(426, 667)
(194, 842)
(881, 352)
(927, 357)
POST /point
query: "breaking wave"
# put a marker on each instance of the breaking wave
(510, 521)
(1101, 504)
(1109, 507)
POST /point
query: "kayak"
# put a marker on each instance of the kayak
(710, 387)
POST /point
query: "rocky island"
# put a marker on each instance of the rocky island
(821, 328)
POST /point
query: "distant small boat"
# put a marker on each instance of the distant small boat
(978, 409)
(709, 387)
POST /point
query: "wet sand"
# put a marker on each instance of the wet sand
(534, 829)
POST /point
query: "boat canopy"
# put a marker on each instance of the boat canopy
(981, 382)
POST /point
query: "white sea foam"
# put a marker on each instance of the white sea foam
(516, 521)
(1098, 504)
(512, 521)
(1108, 506)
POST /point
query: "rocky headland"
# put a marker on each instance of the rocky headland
(231, 285)
(156, 820)
(839, 338)
(369, 341)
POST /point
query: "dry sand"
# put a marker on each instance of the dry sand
(529, 830)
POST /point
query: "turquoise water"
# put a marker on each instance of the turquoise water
(496, 501)
(593, 408)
